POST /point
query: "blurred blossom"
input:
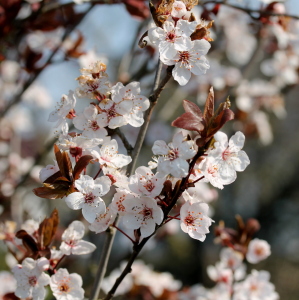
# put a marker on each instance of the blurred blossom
(37, 96)
(10, 70)
(90, 57)
(8, 283)
(263, 127)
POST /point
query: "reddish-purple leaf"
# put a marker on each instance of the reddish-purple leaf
(81, 165)
(50, 193)
(52, 178)
(218, 121)
(28, 241)
(191, 119)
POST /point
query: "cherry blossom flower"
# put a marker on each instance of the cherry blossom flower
(93, 88)
(108, 155)
(117, 178)
(31, 279)
(77, 145)
(189, 61)
(89, 196)
(103, 221)
(64, 109)
(229, 156)
(219, 273)
(143, 213)
(145, 183)
(174, 156)
(72, 242)
(195, 220)
(179, 10)
(171, 38)
(91, 123)
(258, 250)
(255, 286)
(130, 103)
(66, 286)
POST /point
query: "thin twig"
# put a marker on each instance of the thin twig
(251, 11)
(121, 231)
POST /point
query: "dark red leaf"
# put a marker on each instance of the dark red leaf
(217, 122)
(137, 8)
(28, 241)
(50, 193)
(191, 119)
(52, 178)
(81, 165)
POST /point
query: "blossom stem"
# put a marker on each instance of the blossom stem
(96, 176)
(124, 233)
(60, 259)
(198, 179)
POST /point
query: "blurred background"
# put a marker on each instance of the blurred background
(254, 60)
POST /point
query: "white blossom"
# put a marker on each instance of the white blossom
(179, 10)
(189, 61)
(63, 109)
(258, 250)
(145, 183)
(66, 286)
(143, 213)
(195, 220)
(31, 278)
(174, 156)
(8, 283)
(89, 196)
(91, 123)
(72, 242)
(255, 286)
(108, 155)
(103, 221)
(171, 38)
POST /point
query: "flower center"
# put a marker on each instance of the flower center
(149, 186)
(189, 220)
(111, 113)
(173, 154)
(64, 288)
(94, 125)
(226, 154)
(147, 213)
(184, 57)
(32, 280)
(89, 198)
(171, 37)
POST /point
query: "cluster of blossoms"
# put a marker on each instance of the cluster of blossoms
(182, 41)
(33, 275)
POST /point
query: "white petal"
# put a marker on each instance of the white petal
(181, 74)
(83, 247)
(75, 200)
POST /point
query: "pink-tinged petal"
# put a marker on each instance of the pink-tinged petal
(131, 222)
(181, 74)
(241, 162)
(117, 122)
(177, 140)
(148, 228)
(179, 168)
(133, 87)
(158, 214)
(76, 279)
(201, 66)
(196, 235)
(201, 46)
(65, 248)
(124, 107)
(236, 142)
(168, 26)
(102, 120)
(75, 200)
(75, 231)
(183, 44)
(90, 210)
(80, 122)
(167, 50)
(221, 138)
(95, 134)
(83, 247)
(227, 173)
(84, 183)
(43, 279)
(185, 28)
(121, 160)
(116, 88)
(38, 293)
(105, 184)
(90, 112)
(23, 292)
(136, 119)
(160, 148)
(155, 34)
(167, 61)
